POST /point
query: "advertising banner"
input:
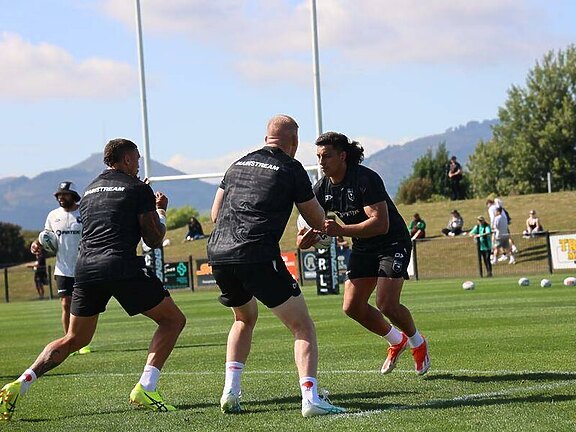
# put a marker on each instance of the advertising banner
(563, 251)
(177, 275)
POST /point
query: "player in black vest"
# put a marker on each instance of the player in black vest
(380, 246)
(251, 209)
(117, 210)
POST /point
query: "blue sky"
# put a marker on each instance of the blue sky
(217, 70)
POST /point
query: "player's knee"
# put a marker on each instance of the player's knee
(179, 322)
(303, 328)
(353, 310)
(77, 341)
(248, 321)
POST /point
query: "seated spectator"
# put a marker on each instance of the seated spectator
(195, 231)
(417, 227)
(533, 225)
(455, 224)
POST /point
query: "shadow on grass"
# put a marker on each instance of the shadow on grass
(124, 410)
(279, 404)
(483, 400)
(177, 347)
(521, 376)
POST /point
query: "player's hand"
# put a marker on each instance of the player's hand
(306, 238)
(161, 201)
(332, 228)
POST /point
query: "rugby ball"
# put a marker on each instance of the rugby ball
(570, 281)
(468, 285)
(324, 240)
(523, 281)
(49, 240)
(545, 283)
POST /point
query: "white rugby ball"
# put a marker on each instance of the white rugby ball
(545, 283)
(49, 240)
(570, 281)
(324, 240)
(523, 281)
(468, 285)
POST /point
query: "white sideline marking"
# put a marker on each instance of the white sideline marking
(464, 398)
(326, 372)
(431, 403)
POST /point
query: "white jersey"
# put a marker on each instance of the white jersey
(68, 228)
(492, 213)
(501, 226)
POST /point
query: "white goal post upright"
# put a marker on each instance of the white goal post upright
(317, 103)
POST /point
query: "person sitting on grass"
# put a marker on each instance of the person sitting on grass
(417, 227)
(195, 231)
(455, 224)
(533, 225)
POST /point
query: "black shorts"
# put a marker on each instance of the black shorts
(135, 295)
(41, 278)
(391, 262)
(65, 285)
(270, 282)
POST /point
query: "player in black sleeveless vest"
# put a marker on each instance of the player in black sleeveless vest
(380, 246)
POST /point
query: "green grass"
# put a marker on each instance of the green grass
(502, 360)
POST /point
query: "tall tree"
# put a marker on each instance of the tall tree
(428, 178)
(536, 133)
(13, 249)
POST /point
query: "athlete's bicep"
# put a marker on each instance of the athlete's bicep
(218, 198)
(152, 230)
(378, 216)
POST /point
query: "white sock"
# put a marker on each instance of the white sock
(149, 378)
(415, 340)
(233, 375)
(394, 336)
(309, 388)
(27, 378)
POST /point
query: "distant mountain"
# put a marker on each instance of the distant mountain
(394, 163)
(26, 201)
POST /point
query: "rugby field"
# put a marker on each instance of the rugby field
(502, 360)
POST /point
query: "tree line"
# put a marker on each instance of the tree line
(535, 135)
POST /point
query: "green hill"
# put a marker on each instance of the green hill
(555, 211)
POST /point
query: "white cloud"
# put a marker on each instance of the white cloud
(38, 71)
(271, 38)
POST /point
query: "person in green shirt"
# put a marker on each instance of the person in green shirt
(417, 227)
(483, 235)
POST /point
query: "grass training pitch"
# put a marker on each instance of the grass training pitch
(502, 360)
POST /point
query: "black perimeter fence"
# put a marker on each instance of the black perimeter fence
(453, 257)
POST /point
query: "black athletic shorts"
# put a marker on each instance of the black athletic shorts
(270, 282)
(135, 295)
(391, 262)
(65, 285)
(41, 278)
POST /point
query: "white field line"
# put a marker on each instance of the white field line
(428, 404)
(463, 398)
(335, 372)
